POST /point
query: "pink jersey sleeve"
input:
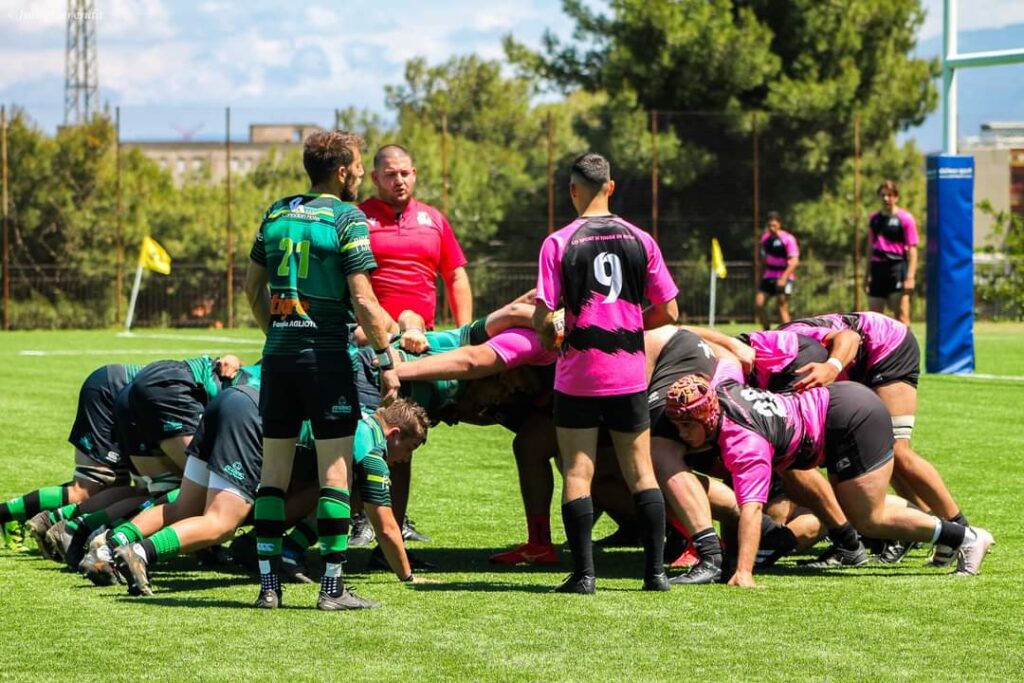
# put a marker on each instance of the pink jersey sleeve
(909, 227)
(549, 281)
(451, 253)
(748, 457)
(519, 346)
(792, 248)
(661, 288)
(773, 351)
(728, 369)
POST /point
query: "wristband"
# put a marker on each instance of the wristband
(384, 359)
(409, 578)
(836, 363)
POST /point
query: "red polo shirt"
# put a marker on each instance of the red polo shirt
(411, 249)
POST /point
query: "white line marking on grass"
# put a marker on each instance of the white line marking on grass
(984, 376)
(189, 337)
(171, 353)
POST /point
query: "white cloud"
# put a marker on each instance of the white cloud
(973, 14)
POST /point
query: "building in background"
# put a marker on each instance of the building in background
(188, 158)
(999, 174)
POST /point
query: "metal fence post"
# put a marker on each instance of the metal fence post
(118, 224)
(230, 244)
(654, 174)
(755, 141)
(6, 219)
(856, 213)
(551, 173)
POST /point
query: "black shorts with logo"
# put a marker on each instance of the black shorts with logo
(230, 440)
(858, 431)
(166, 401)
(887, 278)
(94, 432)
(902, 365)
(770, 286)
(307, 387)
(622, 413)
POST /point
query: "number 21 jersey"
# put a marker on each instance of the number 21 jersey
(601, 268)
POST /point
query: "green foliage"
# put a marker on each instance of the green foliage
(1000, 283)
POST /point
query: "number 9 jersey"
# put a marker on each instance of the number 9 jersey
(309, 245)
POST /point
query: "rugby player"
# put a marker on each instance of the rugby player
(892, 243)
(887, 359)
(601, 268)
(781, 255)
(313, 250)
(843, 427)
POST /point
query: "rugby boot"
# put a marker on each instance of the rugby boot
(59, 538)
(527, 553)
(895, 551)
(704, 572)
(37, 527)
(294, 571)
(972, 551)
(410, 533)
(582, 584)
(658, 583)
(77, 547)
(941, 556)
(134, 569)
(98, 567)
(345, 600)
(362, 533)
(268, 599)
(836, 557)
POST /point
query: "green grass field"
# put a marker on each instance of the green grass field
(906, 623)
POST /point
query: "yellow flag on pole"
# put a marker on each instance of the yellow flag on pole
(717, 260)
(154, 257)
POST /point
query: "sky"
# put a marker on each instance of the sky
(172, 65)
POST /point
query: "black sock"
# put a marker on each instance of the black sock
(777, 540)
(960, 519)
(150, 548)
(578, 519)
(845, 537)
(952, 534)
(650, 508)
(708, 546)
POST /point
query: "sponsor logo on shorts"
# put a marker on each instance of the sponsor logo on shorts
(172, 425)
(653, 397)
(877, 379)
(266, 548)
(341, 407)
(113, 457)
(235, 471)
(843, 464)
(85, 442)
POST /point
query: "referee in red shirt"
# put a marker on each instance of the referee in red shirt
(412, 242)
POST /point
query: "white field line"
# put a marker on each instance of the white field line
(170, 353)
(190, 337)
(983, 376)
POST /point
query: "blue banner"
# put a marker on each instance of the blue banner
(950, 264)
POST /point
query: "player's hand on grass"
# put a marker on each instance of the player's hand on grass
(389, 385)
(423, 580)
(818, 375)
(743, 580)
(414, 341)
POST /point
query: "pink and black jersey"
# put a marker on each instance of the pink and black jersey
(881, 338)
(777, 249)
(762, 431)
(778, 354)
(601, 268)
(891, 235)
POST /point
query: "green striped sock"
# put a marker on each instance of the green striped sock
(125, 534)
(268, 523)
(166, 542)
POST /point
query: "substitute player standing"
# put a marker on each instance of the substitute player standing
(781, 255)
(600, 267)
(314, 251)
(892, 243)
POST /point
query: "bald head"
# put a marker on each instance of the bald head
(388, 152)
(394, 175)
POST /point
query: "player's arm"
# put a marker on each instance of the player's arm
(743, 352)
(749, 539)
(256, 279)
(657, 315)
(411, 327)
(544, 325)
(910, 281)
(465, 362)
(460, 295)
(375, 323)
(842, 345)
(791, 263)
(515, 314)
(389, 534)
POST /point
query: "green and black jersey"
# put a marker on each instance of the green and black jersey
(310, 244)
(371, 475)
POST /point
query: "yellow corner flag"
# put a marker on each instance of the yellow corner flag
(717, 260)
(154, 257)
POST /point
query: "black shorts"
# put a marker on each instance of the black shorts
(93, 432)
(303, 387)
(622, 413)
(230, 440)
(902, 365)
(129, 438)
(887, 278)
(166, 401)
(367, 379)
(770, 286)
(858, 431)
